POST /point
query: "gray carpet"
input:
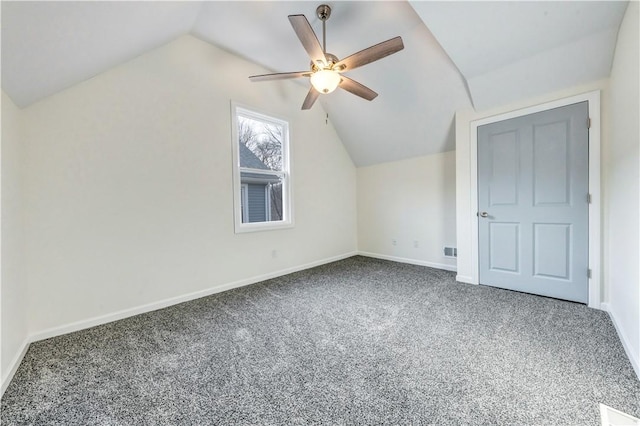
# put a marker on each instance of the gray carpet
(360, 341)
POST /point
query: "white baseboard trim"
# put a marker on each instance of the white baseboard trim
(635, 362)
(465, 279)
(410, 261)
(13, 366)
(125, 313)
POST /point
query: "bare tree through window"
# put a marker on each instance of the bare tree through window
(265, 141)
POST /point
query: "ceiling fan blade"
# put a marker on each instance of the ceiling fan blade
(370, 54)
(308, 38)
(279, 76)
(310, 99)
(357, 89)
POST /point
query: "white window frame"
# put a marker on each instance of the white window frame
(267, 202)
(244, 200)
(285, 174)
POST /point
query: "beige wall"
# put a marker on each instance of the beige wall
(13, 289)
(623, 185)
(408, 201)
(129, 186)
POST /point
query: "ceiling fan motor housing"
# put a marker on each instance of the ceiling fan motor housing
(331, 61)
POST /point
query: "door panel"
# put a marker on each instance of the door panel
(504, 169)
(503, 240)
(533, 185)
(552, 250)
(550, 164)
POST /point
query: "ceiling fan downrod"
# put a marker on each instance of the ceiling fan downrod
(324, 12)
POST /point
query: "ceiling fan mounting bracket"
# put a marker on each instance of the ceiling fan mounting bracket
(323, 12)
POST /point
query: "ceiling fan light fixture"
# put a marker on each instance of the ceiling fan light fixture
(325, 81)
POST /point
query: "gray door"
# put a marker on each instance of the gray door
(533, 184)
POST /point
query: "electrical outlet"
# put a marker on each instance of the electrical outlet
(415, 243)
(394, 242)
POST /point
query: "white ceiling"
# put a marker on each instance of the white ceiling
(50, 46)
(490, 47)
(515, 50)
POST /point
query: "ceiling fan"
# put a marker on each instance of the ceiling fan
(326, 69)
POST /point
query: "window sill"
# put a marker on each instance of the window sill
(262, 226)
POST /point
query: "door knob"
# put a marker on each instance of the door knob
(483, 214)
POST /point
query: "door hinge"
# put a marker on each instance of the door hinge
(589, 123)
(589, 273)
(588, 198)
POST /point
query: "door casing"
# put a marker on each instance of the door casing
(593, 99)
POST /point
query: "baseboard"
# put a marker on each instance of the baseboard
(125, 313)
(465, 279)
(410, 261)
(635, 362)
(13, 366)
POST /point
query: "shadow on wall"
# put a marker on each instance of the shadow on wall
(449, 175)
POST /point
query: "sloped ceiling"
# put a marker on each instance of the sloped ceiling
(502, 51)
(515, 50)
(50, 46)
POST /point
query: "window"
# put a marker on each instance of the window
(260, 171)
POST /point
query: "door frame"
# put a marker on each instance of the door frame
(593, 99)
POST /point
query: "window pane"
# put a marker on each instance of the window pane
(261, 171)
(276, 201)
(262, 197)
(260, 144)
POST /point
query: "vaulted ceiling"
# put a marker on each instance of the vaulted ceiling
(457, 54)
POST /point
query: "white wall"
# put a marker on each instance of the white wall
(13, 290)
(623, 186)
(129, 186)
(407, 201)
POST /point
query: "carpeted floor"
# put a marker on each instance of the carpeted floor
(360, 341)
